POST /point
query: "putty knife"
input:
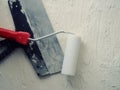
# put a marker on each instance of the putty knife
(30, 16)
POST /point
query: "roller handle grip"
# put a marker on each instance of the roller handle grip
(19, 37)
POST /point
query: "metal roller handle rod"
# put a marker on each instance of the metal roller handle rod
(36, 39)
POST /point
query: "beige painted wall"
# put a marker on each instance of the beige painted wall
(98, 24)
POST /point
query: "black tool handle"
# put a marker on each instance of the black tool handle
(6, 48)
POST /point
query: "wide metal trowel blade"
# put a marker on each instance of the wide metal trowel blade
(45, 55)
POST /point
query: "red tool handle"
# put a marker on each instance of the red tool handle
(20, 37)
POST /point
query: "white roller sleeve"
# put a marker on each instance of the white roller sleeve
(71, 55)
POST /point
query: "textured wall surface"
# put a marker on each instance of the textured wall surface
(98, 24)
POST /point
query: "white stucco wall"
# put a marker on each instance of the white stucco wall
(98, 24)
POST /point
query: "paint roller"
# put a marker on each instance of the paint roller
(71, 54)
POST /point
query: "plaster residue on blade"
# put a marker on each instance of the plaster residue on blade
(31, 50)
(40, 25)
